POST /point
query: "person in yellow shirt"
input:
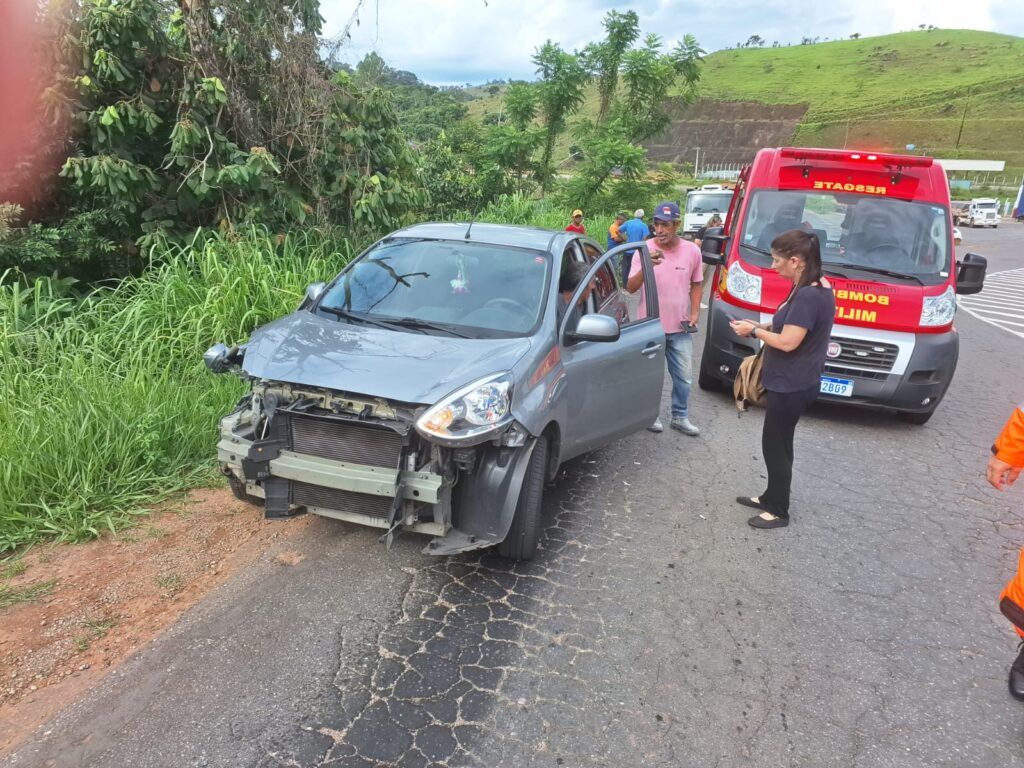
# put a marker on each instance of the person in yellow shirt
(615, 237)
(1003, 470)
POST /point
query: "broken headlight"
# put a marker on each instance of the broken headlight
(470, 415)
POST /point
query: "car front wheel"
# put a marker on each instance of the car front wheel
(523, 535)
(238, 489)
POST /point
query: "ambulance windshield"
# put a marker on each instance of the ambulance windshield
(887, 236)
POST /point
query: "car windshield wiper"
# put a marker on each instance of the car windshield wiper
(423, 325)
(350, 316)
(833, 272)
(755, 249)
(883, 271)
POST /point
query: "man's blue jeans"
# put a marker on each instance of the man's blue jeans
(679, 359)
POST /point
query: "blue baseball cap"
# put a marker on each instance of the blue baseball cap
(667, 211)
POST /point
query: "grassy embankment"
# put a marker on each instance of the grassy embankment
(881, 92)
(105, 405)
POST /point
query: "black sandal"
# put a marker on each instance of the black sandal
(777, 521)
(746, 501)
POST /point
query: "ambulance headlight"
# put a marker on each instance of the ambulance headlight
(939, 310)
(743, 285)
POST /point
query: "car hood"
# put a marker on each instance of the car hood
(413, 367)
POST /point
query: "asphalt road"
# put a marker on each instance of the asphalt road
(655, 628)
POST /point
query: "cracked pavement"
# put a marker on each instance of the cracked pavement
(654, 628)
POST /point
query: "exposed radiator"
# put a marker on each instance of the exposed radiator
(344, 441)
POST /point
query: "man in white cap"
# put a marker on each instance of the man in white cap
(679, 277)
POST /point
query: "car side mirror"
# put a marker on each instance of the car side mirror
(595, 328)
(314, 291)
(713, 245)
(970, 274)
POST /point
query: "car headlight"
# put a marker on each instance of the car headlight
(470, 415)
(743, 285)
(939, 310)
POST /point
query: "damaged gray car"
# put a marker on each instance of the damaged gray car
(436, 384)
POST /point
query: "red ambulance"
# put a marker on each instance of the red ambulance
(886, 237)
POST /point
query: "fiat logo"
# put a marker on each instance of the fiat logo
(834, 350)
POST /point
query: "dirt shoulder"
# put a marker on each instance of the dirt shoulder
(70, 613)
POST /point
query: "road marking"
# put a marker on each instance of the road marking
(1001, 298)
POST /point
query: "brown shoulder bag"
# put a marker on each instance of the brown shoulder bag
(747, 389)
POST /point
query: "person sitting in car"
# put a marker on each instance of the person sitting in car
(572, 274)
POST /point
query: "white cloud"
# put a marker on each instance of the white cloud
(458, 41)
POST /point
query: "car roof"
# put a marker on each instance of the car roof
(492, 234)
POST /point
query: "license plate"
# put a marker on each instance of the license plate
(839, 387)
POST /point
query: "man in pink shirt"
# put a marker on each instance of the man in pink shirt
(678, 273)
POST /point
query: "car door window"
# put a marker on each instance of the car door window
(605, 290)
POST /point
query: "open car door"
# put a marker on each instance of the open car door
(613, 385)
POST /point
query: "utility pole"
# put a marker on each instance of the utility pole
(963, 118)
(696, 164)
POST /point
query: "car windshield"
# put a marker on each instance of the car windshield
(443, 287)
(708, 202)
(986, 206)
(882, 235)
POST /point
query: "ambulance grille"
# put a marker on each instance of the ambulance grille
(860, 353)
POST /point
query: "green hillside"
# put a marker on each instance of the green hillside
(883, 92)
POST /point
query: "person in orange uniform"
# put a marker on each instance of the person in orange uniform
(1003, 470)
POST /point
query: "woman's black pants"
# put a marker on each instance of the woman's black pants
(782, 412)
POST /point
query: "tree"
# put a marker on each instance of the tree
(512, 144)
(612, 149)
(560, 93)
(649, 75)
(855, 36)
(754, 41)
(214, 113)
(605, 58)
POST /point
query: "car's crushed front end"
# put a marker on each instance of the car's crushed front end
(376, 462)
(353, 458)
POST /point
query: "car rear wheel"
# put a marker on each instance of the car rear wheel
(523, 535)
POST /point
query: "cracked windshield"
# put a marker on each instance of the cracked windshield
(481, 291)
(892, 238)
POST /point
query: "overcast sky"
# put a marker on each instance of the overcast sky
(472, 41)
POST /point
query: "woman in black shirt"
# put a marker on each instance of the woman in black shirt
(794, 358)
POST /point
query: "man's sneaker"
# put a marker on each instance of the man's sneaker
(657, 426)
(684, 425)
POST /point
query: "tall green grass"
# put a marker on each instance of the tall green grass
(105, 405)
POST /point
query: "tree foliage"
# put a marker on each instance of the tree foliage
(560, 94)
(604, 59)
(215, 113)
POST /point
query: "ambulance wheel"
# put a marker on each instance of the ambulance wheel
(916, 417)
(521, 541)
(238, 489)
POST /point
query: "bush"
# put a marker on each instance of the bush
(105, 405)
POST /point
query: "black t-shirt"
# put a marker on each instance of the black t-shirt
(813, 308)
